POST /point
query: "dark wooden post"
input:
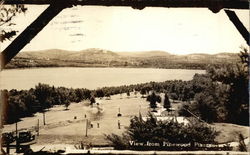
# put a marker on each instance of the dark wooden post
(16, 129)
(86, 132)
(38, 127)
(30, 32)
(17, 140)
(119, 124)
(8, 148)
(44, 123)
(139, 109)
(237, 23)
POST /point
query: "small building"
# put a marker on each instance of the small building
(167, 115)
(169, 118)
(179, 119)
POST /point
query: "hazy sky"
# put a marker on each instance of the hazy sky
(178, 31)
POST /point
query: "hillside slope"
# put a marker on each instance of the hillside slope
(105, 58)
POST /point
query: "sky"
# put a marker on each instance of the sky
(177, 31)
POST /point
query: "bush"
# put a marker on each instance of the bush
(121, 142)
(151, 130)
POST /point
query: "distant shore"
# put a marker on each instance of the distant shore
(102, 58)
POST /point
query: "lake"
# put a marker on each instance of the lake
(90, 78)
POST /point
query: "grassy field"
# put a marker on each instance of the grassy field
(69, 126)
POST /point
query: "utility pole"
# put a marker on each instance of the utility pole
(44, 118)
(38, 127)
(86, 134)
(119, 124)
(17, 141)
(16, 129)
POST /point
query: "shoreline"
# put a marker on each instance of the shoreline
(91, 67)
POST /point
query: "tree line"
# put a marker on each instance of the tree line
(24, 103)
(20, 62)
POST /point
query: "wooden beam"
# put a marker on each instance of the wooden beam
(29, 33)
(140, 4)
(237, 23)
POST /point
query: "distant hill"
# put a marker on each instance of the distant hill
(93, 55)
(104, 58)
(144, 54)
(69, 55)
(45, 54)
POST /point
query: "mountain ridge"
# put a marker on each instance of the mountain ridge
(126, 53)
(106, 58)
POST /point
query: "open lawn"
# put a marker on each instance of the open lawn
(69, 126)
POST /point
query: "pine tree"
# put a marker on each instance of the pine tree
(152, 99)
(167, 103)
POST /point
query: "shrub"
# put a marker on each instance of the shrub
(151, 130)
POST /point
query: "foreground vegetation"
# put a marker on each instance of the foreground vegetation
(224, 96)
(154, 135)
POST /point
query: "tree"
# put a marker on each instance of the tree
(30, 102)
(152, 99)
(13, 109)
(166, 103)
(7, 13)
(173, 96)
(92, 100)
(140, 130)
(236, 78)
(135, 93)
(128, 93)
(64, 97)
(107, 95)
(120, 142)
(66, 104)
(205, 105)
(143, 92)
(244, 57)
(222, 93)
(100, 93)
(43, 95)
(79, 95)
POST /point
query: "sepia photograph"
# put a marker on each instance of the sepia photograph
(124, 77)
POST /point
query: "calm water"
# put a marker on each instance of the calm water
(90, 78)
